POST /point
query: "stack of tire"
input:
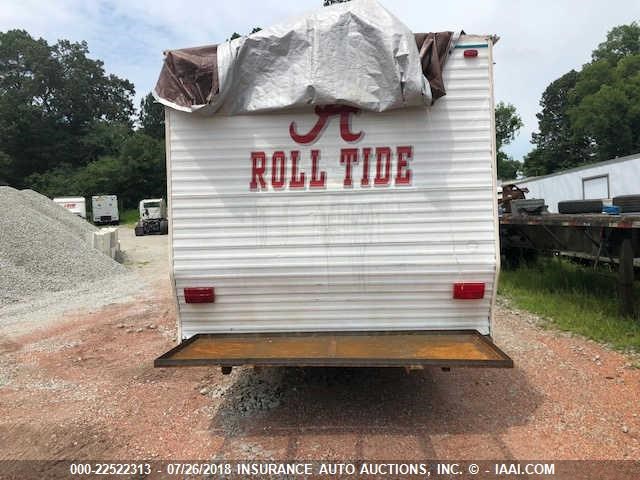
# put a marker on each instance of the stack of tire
(580, 206)
(626, 203)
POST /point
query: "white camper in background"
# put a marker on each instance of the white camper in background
(336, 236)
(76, 205)
(104, 210)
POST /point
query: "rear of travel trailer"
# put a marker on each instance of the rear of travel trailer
(335, 236)
(76, 205)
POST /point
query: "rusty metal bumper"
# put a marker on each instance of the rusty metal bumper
(412, 349)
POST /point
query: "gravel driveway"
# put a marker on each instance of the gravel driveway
(92, 372)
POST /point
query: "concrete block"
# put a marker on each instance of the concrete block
(106, 241)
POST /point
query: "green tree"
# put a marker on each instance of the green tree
(151, 117)
(137, 171)
(621, 41)
(60, 181)
(104, 138)
(556, 145)
(608, 115)
(143, 161)
(104, 176)
(66, 127)
(594, 114)
(508, 123)
(52, 98)
(86, 93)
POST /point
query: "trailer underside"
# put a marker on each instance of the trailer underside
(595, 236)
(412, 349)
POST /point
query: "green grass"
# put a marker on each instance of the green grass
(574, 298)
(129, 217)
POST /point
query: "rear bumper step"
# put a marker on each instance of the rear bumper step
(438, 348)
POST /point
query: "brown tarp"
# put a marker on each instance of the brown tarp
(189, 76)
(434, 50)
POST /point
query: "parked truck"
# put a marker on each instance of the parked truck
(332, 234)
(153, 217)
(104, 210)
(76, 205)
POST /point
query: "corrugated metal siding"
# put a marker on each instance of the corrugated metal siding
(622, 178)
(361, 258)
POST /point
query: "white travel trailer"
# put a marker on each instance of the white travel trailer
(598, 181)
(336, 236)
(76, 205)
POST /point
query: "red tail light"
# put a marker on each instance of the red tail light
(468, 291)
(470, 53)
(199, 295)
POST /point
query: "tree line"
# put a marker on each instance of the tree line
(587, 115)
(67, 127)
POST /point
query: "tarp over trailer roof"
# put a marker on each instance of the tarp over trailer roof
(356, 54)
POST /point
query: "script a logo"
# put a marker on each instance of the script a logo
(324, 114)
(279, 170)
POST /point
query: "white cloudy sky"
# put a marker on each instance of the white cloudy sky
(540, 40)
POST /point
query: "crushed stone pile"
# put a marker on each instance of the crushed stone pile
(76, 225)
(256, 393)
(44, 248)
(303, 393)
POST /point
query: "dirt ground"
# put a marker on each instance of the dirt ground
(85, 388)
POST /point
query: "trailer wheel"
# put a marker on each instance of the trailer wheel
(139, 231)
(164, 227)
(627, 203)
(580, 206)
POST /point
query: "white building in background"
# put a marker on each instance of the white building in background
(604, 180)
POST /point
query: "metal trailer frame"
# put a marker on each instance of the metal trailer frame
(593, 235)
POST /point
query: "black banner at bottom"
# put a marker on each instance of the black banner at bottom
(296, 469)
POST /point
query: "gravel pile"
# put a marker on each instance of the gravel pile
(45, 250)
(246, 393)
(76, 225)
(254, 393)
